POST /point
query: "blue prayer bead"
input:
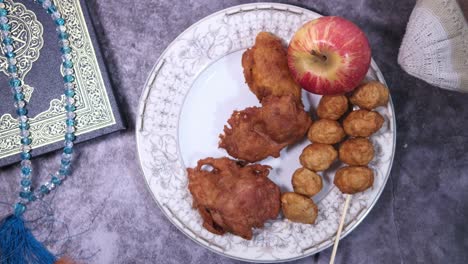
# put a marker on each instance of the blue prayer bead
(25, 156)
(69, 93)
(26, 171)
(19, 209)
(51, 9)
(60, 21)
(68, 64)
(64, 171)
(41, 1)
(70, 122)
(65, 49)
(43, 189)
(26, 141)
(12, 68)
(21, 111)
(70, 108)
(18, 96)
(70, 136)
(56, 181)
(5, 27)
(23, 126)
(65, 162)
(68, 78)
(32, 198)
(26, 183)
(68, 150)
(63, 35)
(3, 12)
(10, 54)
(15, 82)
(24, 195)
(7, 41)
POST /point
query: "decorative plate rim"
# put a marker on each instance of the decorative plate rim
(141, 112)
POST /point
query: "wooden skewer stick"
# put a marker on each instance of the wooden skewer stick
(340, 228)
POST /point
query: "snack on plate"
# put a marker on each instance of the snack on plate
(299, 208)
(356, 151)
(354, 179)
(370, 95)
(266, 69)
(318, 157)
(326, 131)
(362, 123)
(332, 107)
(306, 182)
(258, 132)
(233, 197)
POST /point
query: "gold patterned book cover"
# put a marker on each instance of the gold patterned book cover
(38, 57)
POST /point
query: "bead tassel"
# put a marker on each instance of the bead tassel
(18, 245)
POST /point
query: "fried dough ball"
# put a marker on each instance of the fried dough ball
(332, 106)
(299, 208)
(356, 151)
(306, 182)
(354, 179)
(362, 123)
(370, 95)
(318, 157)
(326, 131)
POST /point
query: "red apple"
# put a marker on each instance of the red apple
(329, 55)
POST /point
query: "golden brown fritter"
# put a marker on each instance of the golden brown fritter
(233, 197)
(266, 69)
(318, 157)
(306, 182)
(299, 208)
(326, 131)
(370, 95)
(362, 123)
(332, 106)
(258, 132)
(354, 179)
(356, 151)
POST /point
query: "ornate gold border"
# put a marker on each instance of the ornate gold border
(94, 110)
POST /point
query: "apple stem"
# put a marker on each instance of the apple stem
(318, 55)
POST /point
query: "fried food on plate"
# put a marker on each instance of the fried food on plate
(356, 151)
(332, 106)
(233, 197)
(299, 208)
(306, 182)
(266, 68)
(258, 132)
(370, 95)
(362, 123)
(318, 157)
(326, 131)
(354, 179)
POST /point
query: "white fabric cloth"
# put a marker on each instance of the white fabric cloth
(435, 45)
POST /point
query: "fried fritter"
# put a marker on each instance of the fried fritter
(306, 182)
(370, 95)
(354, 179)
(299, 208)
(332, 106)
(326, 131)
(318, 157)
(266, 69)
(362, 123)
(356, 151)
(233, 197)
(258, 132)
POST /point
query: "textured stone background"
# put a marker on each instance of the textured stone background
(106, 215)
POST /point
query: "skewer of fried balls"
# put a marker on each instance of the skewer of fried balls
(356, 151)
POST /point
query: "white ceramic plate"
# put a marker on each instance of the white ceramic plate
(190, 94)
